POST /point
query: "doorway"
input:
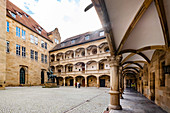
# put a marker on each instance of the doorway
(152, 86)
(42, 77)
(22, 76)
(71, 82)
(102, 82)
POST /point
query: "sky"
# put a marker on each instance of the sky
(67, 15)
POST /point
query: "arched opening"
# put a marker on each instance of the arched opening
(69, 54)
(92, 50)
(80, 66)
(91, 81)
(69, 81)
(42, 77)
(81, 80)
(22, 76)
(60, 81)
(104, 81)
(103, 47)
(80, 52)
(106, 49)
(52, 58)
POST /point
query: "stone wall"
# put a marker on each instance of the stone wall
(15, 62)
(2, 43)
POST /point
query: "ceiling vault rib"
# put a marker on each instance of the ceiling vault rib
(137, 17)
(163, 21)
(132, 62)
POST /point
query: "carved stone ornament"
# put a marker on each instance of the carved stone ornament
(114, 60)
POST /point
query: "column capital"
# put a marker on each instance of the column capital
(114, 60)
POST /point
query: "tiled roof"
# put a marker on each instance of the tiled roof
(28, 22)
(79, 39)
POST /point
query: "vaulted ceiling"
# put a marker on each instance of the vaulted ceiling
(135, 29)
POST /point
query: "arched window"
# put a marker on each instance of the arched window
(22, 76)
(94, 51)
(106, 49)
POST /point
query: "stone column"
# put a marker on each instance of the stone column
(55, 57)
(98, 50)
(120, 82)
(97, 66)
(3, 43)
(98, 82)
(124, 82)
(74, 54)
(64, 81)
(85, 81)
(85, 51)
(114, 83)
(63, 55)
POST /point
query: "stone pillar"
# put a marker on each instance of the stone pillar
(74, 81)
(97, 66)
(55, 57)
(85, 51)
(120, 82)
(114, 83)
(98, 50)
(85, 81)
(98, 82)
(63, 56)
(64, 81)
(74, 54)
(3, 43)
(124, 82)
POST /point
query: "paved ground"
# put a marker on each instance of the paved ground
(53, 100)
(135, 102)
(70, 100)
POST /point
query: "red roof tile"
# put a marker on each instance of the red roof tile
(29, 22)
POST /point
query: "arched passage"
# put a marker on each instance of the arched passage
(104, 81)
(69, 81)
(81, 80)
(91, 81)
(60, 81)
(22, 76)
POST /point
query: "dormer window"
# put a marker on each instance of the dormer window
(101, 33)
(26, 15)
(19, 14)
(13, 15)
(39, 31)
(40, 28)
(56, 41)
(87, 37)
(62, 45)
(73, 41)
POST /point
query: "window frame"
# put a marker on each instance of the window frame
(32, 54)
(18, 31)
(36, 56)
(7, 26)
(45, 45)
(36, 40)
(42, 44)
(23, 34)
(18, 49)
(23, 51)
(31, 38)
(42, 58)
(7, 46)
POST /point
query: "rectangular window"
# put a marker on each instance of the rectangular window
(42, 44)
(73, 41)
(32, 54)
(45, 45)
(31, 38)
(36, 41)
(7, 46)
(17, 49)
(23, 34)
(23, 51)
(162, 76)
(18, 31)
(36, 55)
(45, 58)
(42, 58)
(7, 26)
(13, 15)
(87, 37)
(101, 33)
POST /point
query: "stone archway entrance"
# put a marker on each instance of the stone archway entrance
(42, 77)
(81, 80)
(22, 76)
(104, 81)
(69, 81)
(91, 81)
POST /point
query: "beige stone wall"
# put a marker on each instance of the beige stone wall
(2, 43)
(15, 63)
(162, 93)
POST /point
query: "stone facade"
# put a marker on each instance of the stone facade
(84, 62)
(2, 43)
(34, 69)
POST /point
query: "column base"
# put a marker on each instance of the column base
(115, 107)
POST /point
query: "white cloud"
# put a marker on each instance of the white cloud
(68, 16)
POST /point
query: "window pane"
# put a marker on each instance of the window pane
(36, 55)
(31, 38)
(42, 58)
(23, 51)
(7, 46)
(42, 44)
(7, 24)
(17, 49)
(36, 41)
(45, 45)
(23, 34)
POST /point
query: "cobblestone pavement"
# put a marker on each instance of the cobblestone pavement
(53, 100)
(135, 102)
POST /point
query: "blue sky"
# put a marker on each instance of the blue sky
(67, 15)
